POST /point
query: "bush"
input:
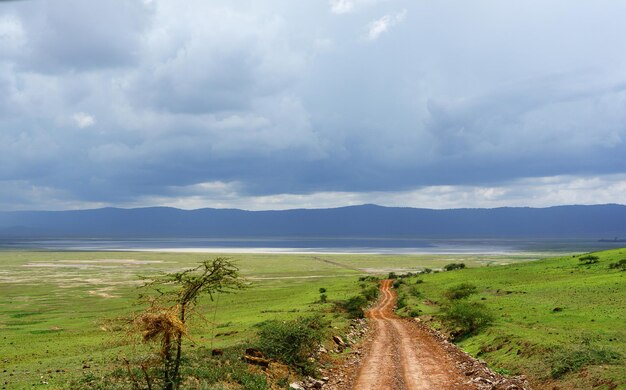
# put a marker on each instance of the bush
(401, 301)
(415, 292)
(370, 293)
(453, 266)
(354, 306)
(201, 369)
(397, 283)
(573, 359)
(427, 270)
(392, 275)
(292, 342)
(414, 312)
(620, 265)
(322, 290)
(465, 318)
(323, 298)
(460, 291)
(588, 259)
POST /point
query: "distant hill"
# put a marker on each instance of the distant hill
(598, 221)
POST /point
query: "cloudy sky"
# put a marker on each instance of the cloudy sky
(268, 104)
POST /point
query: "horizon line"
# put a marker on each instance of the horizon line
(310, 209)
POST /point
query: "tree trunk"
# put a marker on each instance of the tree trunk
(168, 383)
(179, 347)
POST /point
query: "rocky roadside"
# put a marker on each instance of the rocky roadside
(339, 372)
(479, 375)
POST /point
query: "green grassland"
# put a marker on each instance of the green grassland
(557, 320)
(55, 306)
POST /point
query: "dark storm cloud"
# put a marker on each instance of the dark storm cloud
(74, 35)
(134, 102)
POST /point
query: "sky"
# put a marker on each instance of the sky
(268, 104)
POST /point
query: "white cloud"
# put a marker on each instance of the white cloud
(341, 6)
(377, 27)
(348, 6)
(12, 36)
(529, 192)
(83, 120)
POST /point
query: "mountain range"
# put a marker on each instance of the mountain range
(598, 221)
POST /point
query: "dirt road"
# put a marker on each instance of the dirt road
(403, 356)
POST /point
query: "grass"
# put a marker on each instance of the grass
(557, 320)
(55, 305)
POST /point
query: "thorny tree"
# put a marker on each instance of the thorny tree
(176, 296)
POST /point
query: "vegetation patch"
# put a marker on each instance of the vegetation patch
(355, 305)
(453, 266)
(202, 370)
(588, 259)
(46, 331)
(25, 314)
(460, 291)
(293, 342)
(534, 318)
(573, 358)
(620, 265)
(464, 318)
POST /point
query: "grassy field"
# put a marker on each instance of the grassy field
(559, 321)
(55, 306)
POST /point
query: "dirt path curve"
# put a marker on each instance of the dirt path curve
(404, 356)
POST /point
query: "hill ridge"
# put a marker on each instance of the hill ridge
(598, 221)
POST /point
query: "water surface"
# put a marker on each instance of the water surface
(316, 245)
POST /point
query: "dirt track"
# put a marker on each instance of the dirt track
(404, 356)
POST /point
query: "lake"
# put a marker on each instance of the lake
(315, 245)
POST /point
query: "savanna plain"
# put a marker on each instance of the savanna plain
(558, 320)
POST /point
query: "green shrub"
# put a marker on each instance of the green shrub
(292, 342)
(370, 293)
(415, 292)
(620, 265)
(465, 318)
(588, 259)
(414, 312)
(397, 283)
(502, 371)
(401, 301)
(323, 298)
(322, 290)
(460, 291)
(392, 275)
(354, 306)
(427, 270)
(572, 359)
(453, 266)
(202, 369)
(370, 278)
